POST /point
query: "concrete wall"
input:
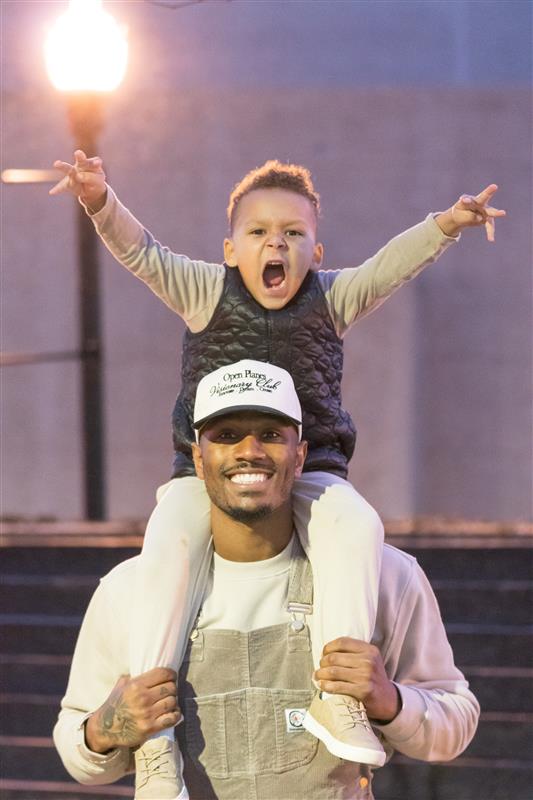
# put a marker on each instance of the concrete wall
(397, 108)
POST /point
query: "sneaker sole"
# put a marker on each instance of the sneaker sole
(360, 754)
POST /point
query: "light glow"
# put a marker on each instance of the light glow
(87, 49)
(30, 175)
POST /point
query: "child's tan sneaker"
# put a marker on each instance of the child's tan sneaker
(158, 771)
(341, 723)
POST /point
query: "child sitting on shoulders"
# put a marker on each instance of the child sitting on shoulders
(269, 302)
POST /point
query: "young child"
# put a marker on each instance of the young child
(268, 302)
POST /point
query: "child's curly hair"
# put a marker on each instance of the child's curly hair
(274, 175)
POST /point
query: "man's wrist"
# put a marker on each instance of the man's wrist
(388, 715)
(95, 741)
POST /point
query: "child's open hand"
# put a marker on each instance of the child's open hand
(471, 211)
(84, 179)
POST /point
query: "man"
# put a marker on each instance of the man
(246, 680)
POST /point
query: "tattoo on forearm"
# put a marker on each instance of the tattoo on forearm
(117, 723)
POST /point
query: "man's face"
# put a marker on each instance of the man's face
(249, 461)
(273, 243)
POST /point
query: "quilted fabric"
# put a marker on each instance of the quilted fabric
(301, 338)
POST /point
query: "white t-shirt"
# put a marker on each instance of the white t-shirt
(245, 596)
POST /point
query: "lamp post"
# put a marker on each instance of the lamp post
(86, 55)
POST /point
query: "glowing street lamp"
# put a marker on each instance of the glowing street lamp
(86, 50)
(86, 54)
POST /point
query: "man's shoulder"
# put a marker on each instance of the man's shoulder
(397, 570)
(398, 559)
(401, 587)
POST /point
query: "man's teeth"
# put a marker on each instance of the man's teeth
(248, 477)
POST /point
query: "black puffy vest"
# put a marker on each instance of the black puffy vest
(301, 338)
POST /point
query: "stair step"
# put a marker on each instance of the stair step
(58, 594)
(37, 759)
(34, 757)
(498, 645)
(462, 779)
(510, 736)
(463, 563)
(59, 790)
(501, 688)
(28, 714)
(64, 560)
(495, 601)
(36, 673)
(39, 633)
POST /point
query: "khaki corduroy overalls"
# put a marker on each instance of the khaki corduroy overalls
(243, 696)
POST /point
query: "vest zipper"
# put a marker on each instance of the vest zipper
(269, 337)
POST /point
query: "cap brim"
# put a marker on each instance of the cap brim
(274, 412)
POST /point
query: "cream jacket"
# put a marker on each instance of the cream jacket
(439, 714)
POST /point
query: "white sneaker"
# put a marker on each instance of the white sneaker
(159, 771)
(340, 721)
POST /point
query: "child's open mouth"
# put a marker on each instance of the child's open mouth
(273, 274)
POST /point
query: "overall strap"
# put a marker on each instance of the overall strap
(300, 592)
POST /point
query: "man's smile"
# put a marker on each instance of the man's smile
(247, 478)
(248, 475)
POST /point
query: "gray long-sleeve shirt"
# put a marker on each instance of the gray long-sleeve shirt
(192, 288)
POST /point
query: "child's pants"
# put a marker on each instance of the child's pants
(340, 532)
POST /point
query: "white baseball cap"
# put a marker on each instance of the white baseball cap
(247, 386)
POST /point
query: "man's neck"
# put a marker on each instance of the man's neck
(241, 541)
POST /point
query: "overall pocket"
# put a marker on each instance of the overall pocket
(249, 732)
(294, 745)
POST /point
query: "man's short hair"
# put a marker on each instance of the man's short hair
(274, 175)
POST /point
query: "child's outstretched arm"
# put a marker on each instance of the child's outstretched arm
(357, 291)
(471, 211)
(190, 288)
(84, 179)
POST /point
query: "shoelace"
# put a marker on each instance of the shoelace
(151, 767)
(356, 712)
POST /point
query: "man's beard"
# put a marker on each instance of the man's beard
(238, 513)
(247, 515)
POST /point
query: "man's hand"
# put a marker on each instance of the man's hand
(84, 179)
(349, 666)
(135, 709)
(471, 211)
